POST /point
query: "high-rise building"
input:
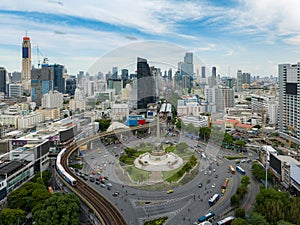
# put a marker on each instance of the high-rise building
(59, 80)
(15, 77)
(3, 75)
(42, 81)
(116, 84)
(124, 75)
(214, 72)
(146, 92)
(239, 81)
(26, 64)
(170, 74)
(203, 72)
(246, 78)
(53, 99)
(70, 86)
(80, 75)
(224, 99)
(289, 104)
(186, 82)
(188, 65)
(115, 72)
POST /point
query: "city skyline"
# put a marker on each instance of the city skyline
(252, 36)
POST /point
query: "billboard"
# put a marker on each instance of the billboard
(275, 164)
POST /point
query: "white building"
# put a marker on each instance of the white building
(119, 111)
(289, 92)
(9, 120)
(30, 120)
(53, 99)
(78, 103)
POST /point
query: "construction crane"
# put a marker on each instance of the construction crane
(289, 127)
(38, 53)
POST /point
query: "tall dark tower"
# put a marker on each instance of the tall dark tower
(3, 80)
(26, 64)
(145, 84)
(59, 80)
(214, 72)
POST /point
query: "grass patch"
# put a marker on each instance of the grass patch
(77, 166)
(159, 221)
(234, 157)
(137, 174)
(186, 168)
(167, 174)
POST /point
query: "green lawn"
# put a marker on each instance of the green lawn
(137, 174)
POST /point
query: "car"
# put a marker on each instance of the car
(103, 185)
(208, 181)
(170, 191)
(115, 194)
(216, 176)
(97, 182)
(205, 172)
(214, 170)
(213, 185)
(200, 185)
(92, 179)
(85, 178)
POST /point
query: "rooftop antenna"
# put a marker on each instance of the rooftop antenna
(25, 33)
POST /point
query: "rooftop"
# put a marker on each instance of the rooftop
(11, 167)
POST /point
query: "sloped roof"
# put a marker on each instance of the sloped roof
(115, 126)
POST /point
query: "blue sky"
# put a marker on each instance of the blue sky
(251, 35)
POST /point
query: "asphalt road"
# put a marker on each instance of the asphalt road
(188, 202)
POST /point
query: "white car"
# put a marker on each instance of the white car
(213, 185)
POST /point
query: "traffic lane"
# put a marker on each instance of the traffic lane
(122, 201)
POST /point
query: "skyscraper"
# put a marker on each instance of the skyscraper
(214, 72)
(3, 80)
(188, 65)
(145, 84)
(239, 81)
(170, 74)
(59, 80)
(203, 72)
(26, 64)
(124, 74)
(42, 81)
(115, 72)
(289, 104)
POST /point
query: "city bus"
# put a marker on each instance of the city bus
(224, 186)
(232, 170)
(240, 170)
(206, 217)
(213, 199)
(226, 221)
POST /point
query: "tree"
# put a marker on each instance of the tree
(282, 222)
(46, 176)
(260, 173)
(239, 144)
(234, 200)
(256, 219)
(228, 139)
(240, 213)
(12, 216)
(239, 221)
(29, 196)
(58, 209)
(178, 124)
(257, 126)
(103, 124)
(245, 180)
(204, 133)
